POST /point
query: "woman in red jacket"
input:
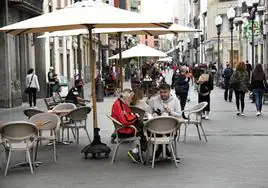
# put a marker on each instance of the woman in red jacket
(122, 113)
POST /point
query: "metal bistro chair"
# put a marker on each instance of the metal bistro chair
(50, 103)
(118, 141)
(139, 111)
(195, 118)
(18, 136)
(31, 112)
(78, 120)
(65, 120)
(161, 131)
(48, 122)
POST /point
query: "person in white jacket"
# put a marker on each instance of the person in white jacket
(32, 83)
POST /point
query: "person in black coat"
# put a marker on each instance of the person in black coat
(227, 73)
(181, 84)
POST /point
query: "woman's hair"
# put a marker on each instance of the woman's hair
(126, 93)
(30, 71)
(241, 66)
(138, 95)
(258, 73)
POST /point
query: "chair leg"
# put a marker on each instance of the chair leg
(140, 154)
(54, 151)
(115, 151)
(185, 131)
(68, 134)
(8, 161)
(155, 146)
(36, 150)
(175, 147)
(147, 152)
(198, 132)
(203, 132)
(29, 160)
(174, 156)
(87, 135)
(62, 134)
(179, 134)
(77, 136)
(73, 134)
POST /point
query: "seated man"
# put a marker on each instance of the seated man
(75, 94)
(122, 113)
(164, 103)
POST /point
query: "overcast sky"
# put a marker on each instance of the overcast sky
(163, 8)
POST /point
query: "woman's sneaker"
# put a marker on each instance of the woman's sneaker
(258, 113)
(238, 113)
(133, 156)
(242, 114)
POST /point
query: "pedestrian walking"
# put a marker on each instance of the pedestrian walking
(227, 73)
(180, 82)
(51, 81)
(248, 68)
(205, 86)
(32, 86)
(239, 82)
(258, 86)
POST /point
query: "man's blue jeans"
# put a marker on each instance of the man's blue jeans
(258, 94)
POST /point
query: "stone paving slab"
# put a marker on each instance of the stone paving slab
(222, 162)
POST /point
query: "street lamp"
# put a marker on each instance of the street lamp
(196, 36)
(252, 9)
(218, 23)
(231, 16)
(202, 51)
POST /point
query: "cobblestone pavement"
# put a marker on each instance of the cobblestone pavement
(235, 155)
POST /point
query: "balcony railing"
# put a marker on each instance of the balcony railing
(34, 7)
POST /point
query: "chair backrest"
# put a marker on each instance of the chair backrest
(198, 108)
(57, 98)
(161, 125)
(65, 106)
(31, 112)
(138, 110)
(79, 113)
(18, 130)
(50, 102)
(51, 121)
(117, 124)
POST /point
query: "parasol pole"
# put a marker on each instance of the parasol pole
(120, 60)
(96, 147)
(93, 83)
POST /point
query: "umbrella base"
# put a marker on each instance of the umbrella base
(97, 149)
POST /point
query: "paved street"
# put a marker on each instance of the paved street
(235, 155)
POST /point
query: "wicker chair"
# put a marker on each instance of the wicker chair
(161, 131)
(31, 112)
(194, 116)
(78, 120)
(18, 136)
(49, 122)
(118, 140)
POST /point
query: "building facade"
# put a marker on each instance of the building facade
(242, 41)
(19, 53)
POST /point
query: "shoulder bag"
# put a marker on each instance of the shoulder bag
(27, 90)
